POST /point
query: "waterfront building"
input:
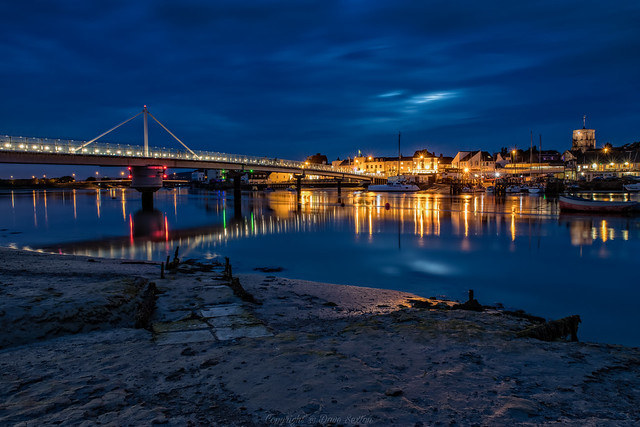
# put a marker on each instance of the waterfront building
(605, 162)
(207, 176)
(474, 164)
(425, 163)
(384, 167)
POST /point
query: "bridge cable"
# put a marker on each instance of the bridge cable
(110, 130)
(170, 133)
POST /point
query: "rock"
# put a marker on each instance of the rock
(393, 391)
(417, 303)
(554, 329)
(269, 269)
(188, 352)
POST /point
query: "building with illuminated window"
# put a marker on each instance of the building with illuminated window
(474, 164)
(604, 162)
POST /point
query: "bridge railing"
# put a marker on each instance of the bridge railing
(59, 146)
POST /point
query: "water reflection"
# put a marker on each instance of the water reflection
(517, 250)
(426, 216)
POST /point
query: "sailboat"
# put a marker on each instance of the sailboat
(535, 188)
(395, 184)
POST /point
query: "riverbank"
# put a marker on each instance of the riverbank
(305, 354)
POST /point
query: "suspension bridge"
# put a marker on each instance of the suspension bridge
(148, 163)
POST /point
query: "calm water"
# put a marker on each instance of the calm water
(518, 251)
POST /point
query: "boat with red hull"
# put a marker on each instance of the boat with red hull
(579, 204)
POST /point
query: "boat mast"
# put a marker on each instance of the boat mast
(539, 156)
(398, 172)
(531, 157)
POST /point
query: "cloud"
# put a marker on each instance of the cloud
(293, 77)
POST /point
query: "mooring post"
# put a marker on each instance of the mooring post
(227, 269)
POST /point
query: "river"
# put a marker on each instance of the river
(518, 250)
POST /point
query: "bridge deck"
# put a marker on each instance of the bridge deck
(47, 151)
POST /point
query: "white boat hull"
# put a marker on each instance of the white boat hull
(535, 190)
(578, 204)
(513, 189)
(632, 187)
(394, 188)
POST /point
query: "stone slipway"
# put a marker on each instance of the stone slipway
(308, 354)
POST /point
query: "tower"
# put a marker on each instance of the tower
(584, 139)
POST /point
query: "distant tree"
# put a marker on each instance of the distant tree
(91, 178)
(66, 179)
(318, 158)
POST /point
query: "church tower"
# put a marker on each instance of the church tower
(584, 139)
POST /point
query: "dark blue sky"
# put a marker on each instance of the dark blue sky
(291, 78)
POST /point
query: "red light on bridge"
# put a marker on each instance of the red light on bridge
(164, 176)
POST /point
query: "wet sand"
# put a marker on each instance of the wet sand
(307, 354)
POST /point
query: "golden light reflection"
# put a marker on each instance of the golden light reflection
(123, 201)
(175, 203)
(75, 213)
(466, 218)
(98, 201)
(35, 213)
(419, 214)
(46, 211)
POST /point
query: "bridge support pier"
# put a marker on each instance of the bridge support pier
(237, 196)
(147, 180)
(147, 201)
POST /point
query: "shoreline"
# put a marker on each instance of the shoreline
(307, 354)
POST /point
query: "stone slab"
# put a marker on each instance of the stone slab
(233, 320)
(222, 310)
(224, 334)
(185, 337)
(181, 325)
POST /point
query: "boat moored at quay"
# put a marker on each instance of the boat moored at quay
(571, 203)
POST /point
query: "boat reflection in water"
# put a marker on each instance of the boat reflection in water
(516, 249)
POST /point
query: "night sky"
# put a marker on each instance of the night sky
(291, 78)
